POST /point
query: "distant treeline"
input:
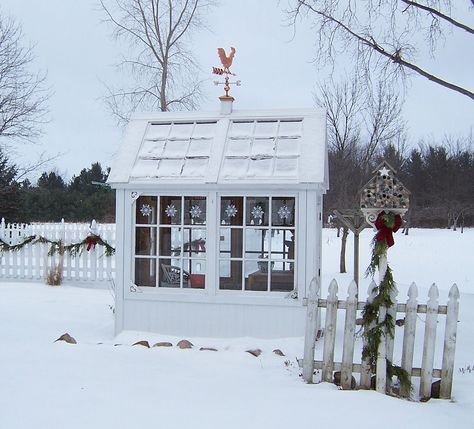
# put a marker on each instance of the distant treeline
(440, 178)
(52, 198)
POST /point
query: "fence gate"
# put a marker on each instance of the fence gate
(410, 311)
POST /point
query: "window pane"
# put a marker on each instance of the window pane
(146, 210)
(257, 211)
(256, 275)
(145, 272)
(230, 275)
(170, 210)
(282, 277)
(171, 273)
(230, 243)
(256, 243)
(232, 210)
(283, 211)
(194, 242)
(283, 244)
(170, 241)
(195, 210)
(145, 241)
(197, 272)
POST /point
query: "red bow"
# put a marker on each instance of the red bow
(384, 232)
(91, 241)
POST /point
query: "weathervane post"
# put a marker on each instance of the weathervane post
(226, 62)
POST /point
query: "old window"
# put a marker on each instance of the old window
(257, 243)
(170, 241)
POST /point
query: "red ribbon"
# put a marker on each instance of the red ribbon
(91, 241)
(384, 232)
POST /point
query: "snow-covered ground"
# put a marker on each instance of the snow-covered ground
(105, 382)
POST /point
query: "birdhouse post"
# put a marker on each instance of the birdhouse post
(384, 200)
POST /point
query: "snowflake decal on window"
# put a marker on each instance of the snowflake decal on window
(284, 212)
(146, 210)
(171, 210)
(231, 210)
(195, 211)
(257, 212)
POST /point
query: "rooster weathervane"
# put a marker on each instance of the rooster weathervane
(226, 62)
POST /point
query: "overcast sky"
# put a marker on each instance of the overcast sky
(275, 67)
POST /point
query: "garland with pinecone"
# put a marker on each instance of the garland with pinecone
(386, 224)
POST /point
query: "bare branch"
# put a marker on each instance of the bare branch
(23, 94)
(439, 14)
(378, 28)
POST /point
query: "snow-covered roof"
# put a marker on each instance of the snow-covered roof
(243, 147)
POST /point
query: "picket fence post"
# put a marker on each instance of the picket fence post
(449, 343)
(409, 335)
(330, 332)
(310, 331)
(349, 337)
(429, 342)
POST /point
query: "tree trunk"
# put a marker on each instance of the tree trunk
(342, 258)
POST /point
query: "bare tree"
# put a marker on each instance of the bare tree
(386, 35)
(23, 94)
(163, 69)
(362, 122)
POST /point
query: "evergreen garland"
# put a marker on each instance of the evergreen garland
(74, 249)
(373, 328)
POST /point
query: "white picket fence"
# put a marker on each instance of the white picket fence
(411, 311)
(32, 261)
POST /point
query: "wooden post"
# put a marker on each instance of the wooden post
(356, 256)
(381, 378)
(310, 331)
(330, 332)
(392, 311)
(449, 343)
(366, 370)
(429, 343)
(409, 334)
(349, 337)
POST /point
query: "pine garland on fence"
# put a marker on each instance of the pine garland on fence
(373, 328)
(74, 249)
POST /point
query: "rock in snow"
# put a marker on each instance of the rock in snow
(143, 343)
(163, 344)
(67, 338)
(184, 344)
(255, 352)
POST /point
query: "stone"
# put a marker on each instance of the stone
(278, 352)
(163, 344)
(143, 343)
(185, 344)
(210, 349)
(67, 338)
(337, 380)
(254, 352)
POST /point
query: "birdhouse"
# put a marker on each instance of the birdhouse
(384, 192)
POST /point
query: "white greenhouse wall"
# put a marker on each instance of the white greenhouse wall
(215, 319)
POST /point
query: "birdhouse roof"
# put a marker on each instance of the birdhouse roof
(243, 147)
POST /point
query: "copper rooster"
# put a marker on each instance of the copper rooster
(226, 60)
